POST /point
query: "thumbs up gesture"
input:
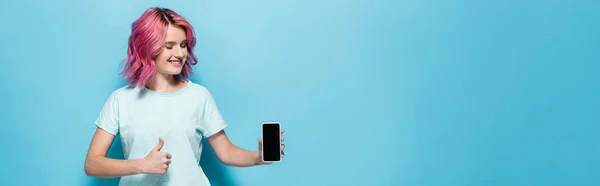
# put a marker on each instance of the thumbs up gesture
(156, 162)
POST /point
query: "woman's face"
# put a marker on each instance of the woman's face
(172, 57)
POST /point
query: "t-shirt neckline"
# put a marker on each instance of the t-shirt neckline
(189, 82)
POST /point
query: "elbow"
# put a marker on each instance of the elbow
(88, 169)
(225, 157)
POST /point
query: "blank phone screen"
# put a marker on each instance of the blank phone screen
(271, 142)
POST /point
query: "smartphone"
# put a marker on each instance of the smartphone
(271, 141)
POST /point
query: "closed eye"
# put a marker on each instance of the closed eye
(170, 44)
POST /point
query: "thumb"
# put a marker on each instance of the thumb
(160, 144)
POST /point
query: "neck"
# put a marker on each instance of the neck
(163, 83)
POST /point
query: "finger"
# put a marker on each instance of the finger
(160, 144)
(281, 137)
(167, 155)
(260, 140)
(282, 131)
(282, 156)
(282, 146)
(168, 162)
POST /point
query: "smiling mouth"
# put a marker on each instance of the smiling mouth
(175, 62)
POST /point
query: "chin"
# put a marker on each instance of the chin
(175, 72)
(170, 72)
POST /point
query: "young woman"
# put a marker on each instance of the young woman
(162, 116)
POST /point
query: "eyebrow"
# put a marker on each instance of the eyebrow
(173, 42)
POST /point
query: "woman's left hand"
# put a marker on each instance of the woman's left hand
(260, 150)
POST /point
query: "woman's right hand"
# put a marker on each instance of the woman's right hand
(156, 162)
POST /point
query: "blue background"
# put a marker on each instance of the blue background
(406, 92)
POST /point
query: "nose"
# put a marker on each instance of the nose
(179, 52)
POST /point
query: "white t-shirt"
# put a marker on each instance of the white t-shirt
(182, 118)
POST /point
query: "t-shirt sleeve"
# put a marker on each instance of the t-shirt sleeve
(108, 120)
(211, 120)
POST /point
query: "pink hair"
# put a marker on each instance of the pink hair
(146, 41)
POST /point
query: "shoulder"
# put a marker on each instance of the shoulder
(199, 90)
(124, 92)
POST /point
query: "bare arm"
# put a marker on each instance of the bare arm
(230, 154)
(98, 165)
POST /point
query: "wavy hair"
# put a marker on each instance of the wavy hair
(146, 41)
